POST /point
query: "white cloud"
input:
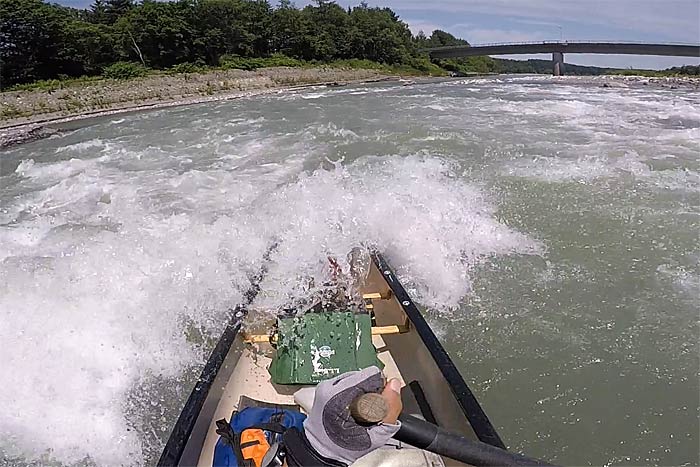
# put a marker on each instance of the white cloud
(478, 35)
(487, 36)
(420, 25)
(638, 14)
(677, 20)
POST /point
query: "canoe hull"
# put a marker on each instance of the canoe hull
(434, 390)
(422, 359)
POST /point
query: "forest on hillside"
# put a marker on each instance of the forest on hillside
(538, 66)
(119, 38)
(46, 41)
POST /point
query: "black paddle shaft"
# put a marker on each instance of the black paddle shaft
(372, 408)
(425, 435)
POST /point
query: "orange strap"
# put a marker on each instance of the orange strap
(254, 445)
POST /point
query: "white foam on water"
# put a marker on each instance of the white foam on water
(574, 110)
(82, 146)
(689, 135)
(24, 166)
(91, 310)
(590, 168)
(50, 172)
(432, 225)
(333, 130)
(436, 107)
(319, 92)
(683, 278)
(584, 169)
(314, 95)
(114, 254)
(109, 261)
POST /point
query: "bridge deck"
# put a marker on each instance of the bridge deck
(677, 50)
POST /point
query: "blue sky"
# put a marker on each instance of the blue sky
(484, 21)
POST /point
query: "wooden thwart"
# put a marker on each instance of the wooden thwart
(255, 338)
(392, 329)
(377, 295)
(376, 331)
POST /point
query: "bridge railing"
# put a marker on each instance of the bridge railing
(563, 42)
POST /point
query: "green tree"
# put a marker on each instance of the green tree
(377, 34)
(442, 39)
(160, 33)
(291, 31)
(31, 34)
(115, 9)
(329, 30)
(87, 48)
(420, 40)
(98, 12)
(41, 41)
(238, 27)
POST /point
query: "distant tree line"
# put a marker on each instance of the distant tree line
(465, 65)
(691, 70)
(41, 41)
(545, 67)
(46, 41)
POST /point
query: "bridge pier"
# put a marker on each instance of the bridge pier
(557, 63)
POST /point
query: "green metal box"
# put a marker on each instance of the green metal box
(318, 346)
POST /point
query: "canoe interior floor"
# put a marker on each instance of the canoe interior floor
(250, 378)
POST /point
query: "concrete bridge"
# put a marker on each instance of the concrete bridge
(559, 48)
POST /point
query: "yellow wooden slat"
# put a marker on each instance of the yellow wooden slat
(392, 329)
(377, 296)
(257, 338)
(376, 331)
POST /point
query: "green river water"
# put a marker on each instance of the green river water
(548, 227)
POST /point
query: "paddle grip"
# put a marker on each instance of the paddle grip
(369, 408)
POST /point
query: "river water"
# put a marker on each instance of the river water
(548, 227)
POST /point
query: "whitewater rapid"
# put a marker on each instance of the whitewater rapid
(124, 242)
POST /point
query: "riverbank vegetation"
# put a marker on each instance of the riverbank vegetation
(46, 45)
(59, 99)
(122, 39)
(545, 67)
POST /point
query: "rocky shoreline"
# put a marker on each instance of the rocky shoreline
(669, 82)
(30, 115)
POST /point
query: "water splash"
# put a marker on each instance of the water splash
(106, 269)
(122, 245)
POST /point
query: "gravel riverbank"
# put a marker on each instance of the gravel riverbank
(28, 115)
(31, 115)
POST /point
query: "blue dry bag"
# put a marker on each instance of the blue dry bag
(251, 431)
